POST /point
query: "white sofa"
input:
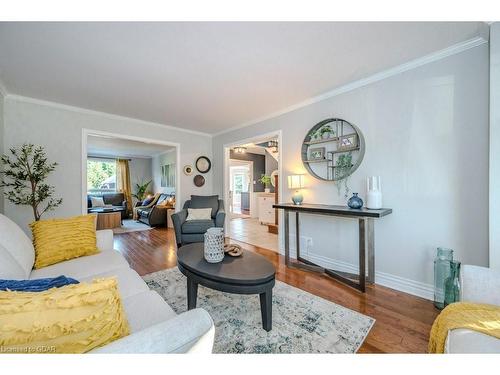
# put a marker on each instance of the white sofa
(479, 285)
(155, 327)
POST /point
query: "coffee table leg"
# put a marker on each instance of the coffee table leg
(266, 309)
(192, 293)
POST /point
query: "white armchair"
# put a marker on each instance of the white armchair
(479, 285)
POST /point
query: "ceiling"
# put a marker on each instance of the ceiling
(117, 147)
(206, 76)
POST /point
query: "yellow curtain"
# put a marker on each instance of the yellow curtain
(123, 181)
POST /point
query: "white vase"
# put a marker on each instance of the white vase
(214, 245)
(267, 190)
(373, 193)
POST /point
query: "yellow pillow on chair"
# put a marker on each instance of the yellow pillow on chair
(57, 240)
(71, 319)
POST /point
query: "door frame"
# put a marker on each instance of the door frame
(255, 139)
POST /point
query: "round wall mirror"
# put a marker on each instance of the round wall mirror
(333, 149)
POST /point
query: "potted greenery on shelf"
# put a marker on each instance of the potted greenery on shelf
(342, 172)
(326, 132)
(266, 181)
(24, 173)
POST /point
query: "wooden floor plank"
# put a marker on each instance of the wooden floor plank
(403, 322)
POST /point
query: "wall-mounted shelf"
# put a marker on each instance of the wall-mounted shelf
(316, 161)
(334, 139)
(344, 150)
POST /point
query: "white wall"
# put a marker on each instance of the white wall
(426, 133)
(159, 160)
(140, 172)
(59, 129)
(1, 145)
(494, 257)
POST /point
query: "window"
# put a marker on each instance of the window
(101, 175)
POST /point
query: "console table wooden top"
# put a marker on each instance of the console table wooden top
(334, 210)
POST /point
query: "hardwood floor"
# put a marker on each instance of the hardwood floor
(403, 322)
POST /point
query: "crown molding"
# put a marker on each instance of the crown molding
(435, 56)
(26, 99)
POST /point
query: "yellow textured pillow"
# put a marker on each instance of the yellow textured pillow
(57, 240)
(71, 319)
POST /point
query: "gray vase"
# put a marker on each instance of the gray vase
(355, 202)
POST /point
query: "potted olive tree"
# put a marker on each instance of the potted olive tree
(23, 176)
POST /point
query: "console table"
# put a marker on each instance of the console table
(365, 219)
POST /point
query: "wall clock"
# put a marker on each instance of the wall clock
(199, 180)
(203, 164)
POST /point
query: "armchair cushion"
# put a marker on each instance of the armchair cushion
(205, 201)
(197, 226)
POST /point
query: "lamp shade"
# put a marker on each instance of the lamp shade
(296, 181)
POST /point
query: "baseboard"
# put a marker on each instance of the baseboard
(399, 283)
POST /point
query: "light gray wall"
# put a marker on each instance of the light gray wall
(426, 133)
(159, 160)
(494, 145)
(271, 166)
(140, 172)
(59, 130)
(1, 145)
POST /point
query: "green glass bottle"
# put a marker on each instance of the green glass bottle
(442, 262)
(452, 284)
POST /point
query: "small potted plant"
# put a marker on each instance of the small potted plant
(315, 135)
(266, 181)
(327, 132)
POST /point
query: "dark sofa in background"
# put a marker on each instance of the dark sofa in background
(115, 199)
(153, 216)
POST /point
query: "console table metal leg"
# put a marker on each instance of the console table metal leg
(192, 293)
(371, 250)
(362, 255)
(287, 238)
(297, 234)
(266, 309)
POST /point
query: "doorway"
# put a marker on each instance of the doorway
(241, 188)
(252, 186)
(121, 173)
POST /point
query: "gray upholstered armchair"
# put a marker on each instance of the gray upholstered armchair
(194, 230)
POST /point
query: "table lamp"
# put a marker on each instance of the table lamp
(296, 182)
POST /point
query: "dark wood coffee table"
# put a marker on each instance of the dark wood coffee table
(247, 274)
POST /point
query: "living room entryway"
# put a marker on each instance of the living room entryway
(252, 189)
(130, 184)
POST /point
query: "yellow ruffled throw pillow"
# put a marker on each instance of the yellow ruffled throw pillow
(57, 240)
(71, 319)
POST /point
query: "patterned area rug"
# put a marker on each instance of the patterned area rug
(129, 225)
(302, 322)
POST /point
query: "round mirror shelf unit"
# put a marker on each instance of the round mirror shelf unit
(333, 149)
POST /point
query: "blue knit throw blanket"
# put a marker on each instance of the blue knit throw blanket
(37, 285)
